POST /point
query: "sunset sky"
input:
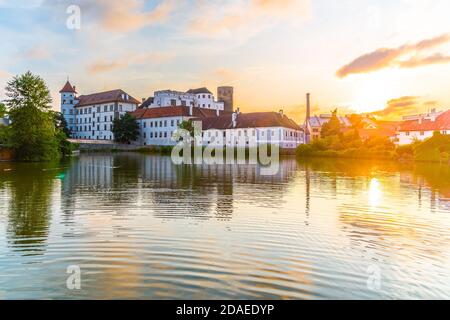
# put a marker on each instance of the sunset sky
(389, 56)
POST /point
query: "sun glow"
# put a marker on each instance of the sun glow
(371, 94)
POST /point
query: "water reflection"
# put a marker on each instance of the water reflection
(141, 227)
(30, 190)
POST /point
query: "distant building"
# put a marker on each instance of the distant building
(91, 116)
(197, 98)
(157, 124)
(421, 127)
(251, 130)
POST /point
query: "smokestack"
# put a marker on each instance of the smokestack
(308, 106)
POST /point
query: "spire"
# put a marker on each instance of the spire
(68, 88)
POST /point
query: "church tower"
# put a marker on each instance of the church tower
(68, 102)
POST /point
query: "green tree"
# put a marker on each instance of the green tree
(60, 122)
(187, 125)
(125, 129)
(332, 127)
(3, 110)
(32, 127)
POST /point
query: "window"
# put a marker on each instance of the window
(98, 109)
(165, 134)
(407, 133)
(145, 135)
(165, 123)
(422, 133)
(151, 134)
(145, 124)
(111, 108)
(116, 107)
(171, 123)
(105, 108)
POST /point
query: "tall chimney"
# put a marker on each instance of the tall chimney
(308, 106)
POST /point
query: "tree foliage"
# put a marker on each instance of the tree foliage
(125, 129)
(332, 127)
(60, 122)
(2, 110)
(33, 133)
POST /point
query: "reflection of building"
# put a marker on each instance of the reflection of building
(421, 127)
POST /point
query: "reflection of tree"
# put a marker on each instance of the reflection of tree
(30, 187)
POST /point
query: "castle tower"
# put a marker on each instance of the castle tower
(225, 95)
(68, 102)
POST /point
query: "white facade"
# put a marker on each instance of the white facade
(68, 102)
(408, 137)
(95, 121)
(91, 116)
(159, 131)
(168, 98)
(252, 137)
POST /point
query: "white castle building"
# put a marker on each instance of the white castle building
(91, 116)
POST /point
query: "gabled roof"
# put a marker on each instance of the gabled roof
(171, 111)
(318, 121)
(250, 120)
(117, 95)
(442, 122)
(68, 88)
(147, 102)
(199, 90)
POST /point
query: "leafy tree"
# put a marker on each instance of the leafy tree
(2, 110)
(32, 128)
(125, 129)
(187, 125)
(332, 127)
(60, 122)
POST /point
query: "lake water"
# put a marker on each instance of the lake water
(138, 226)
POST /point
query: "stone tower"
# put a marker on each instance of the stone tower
(68, 102)
(225, 95)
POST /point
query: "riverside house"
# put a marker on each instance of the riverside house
(421, 127)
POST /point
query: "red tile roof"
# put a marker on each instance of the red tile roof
(383, 129)
(442, 122)
(171, 111)
(68, 88)
(250, 120)
(105, 97)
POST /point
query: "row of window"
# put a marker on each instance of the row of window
(292, 134)
(94, 137)
(161, 134)
(88, 120)
(88, 110)
(422, 133)
(88, 128)
(160, 123)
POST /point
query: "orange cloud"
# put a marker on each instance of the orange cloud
(407, 105)
(101, 66)
(36, 53)
(393, 57)
(234, 16)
